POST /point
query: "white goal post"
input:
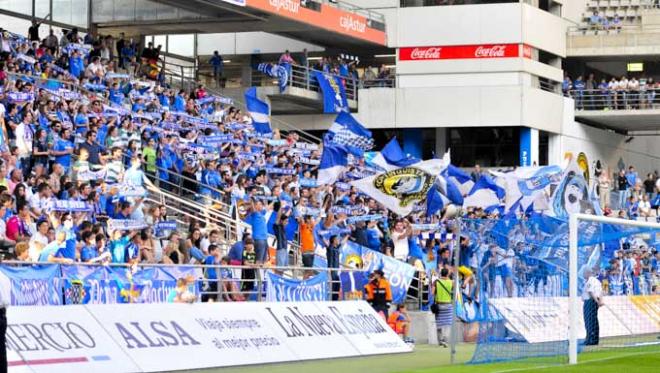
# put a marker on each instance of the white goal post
(574, 297)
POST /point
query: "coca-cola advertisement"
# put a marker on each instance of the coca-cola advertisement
(455, 52)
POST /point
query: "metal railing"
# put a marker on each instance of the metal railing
(234, 282)
(377, 83)
(615, 100)
(303, 77)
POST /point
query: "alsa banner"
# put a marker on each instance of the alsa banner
(455, 52)
(546, 319)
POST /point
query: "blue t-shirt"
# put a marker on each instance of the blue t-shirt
(69, 249)
(211, 273)
(236, 251)
(258, 222)
(62, 145)
(50, 249)
(88, 253)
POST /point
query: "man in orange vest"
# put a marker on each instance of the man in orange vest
(379, 293)
(399, 321)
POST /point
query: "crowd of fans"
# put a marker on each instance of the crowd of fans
(85, 130)
(612, 94)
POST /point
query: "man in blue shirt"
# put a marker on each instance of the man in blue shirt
(257, 219)
(218, 66)
(580, 86)
(63, 148)
(52, 252)
(211, 260)
(236, 251)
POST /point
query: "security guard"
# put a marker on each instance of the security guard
(379, 293)
(592, 297)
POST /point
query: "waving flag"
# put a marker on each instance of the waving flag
(485, 194)
(460, 178)
(281, 72)
(349, 132)
(401, 189)
(392, 156)
(333, 162)
(259, 111)
(526, 187)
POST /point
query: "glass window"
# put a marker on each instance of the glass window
(18, 6)
(486, 146)
(183, 45)
(16, 25)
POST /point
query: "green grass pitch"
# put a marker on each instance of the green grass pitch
(432, 359)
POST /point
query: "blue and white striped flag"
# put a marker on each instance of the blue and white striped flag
(392, 156)
(485, 194)
(333, 162)
(349, 132)
(259, 111)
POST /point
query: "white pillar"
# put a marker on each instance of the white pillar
(440, 141)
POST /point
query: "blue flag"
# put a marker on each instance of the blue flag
(334, 93)
(485, 193)
(347, 131)
(259, 111)
(333, 162)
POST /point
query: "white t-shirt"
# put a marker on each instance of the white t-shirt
(592, 286)
(401, 248)
(34, 250)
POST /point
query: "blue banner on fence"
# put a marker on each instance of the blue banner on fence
(398, 273)
(110, 285)
(334, 93)
(280, 289)
(352, 285)
(32, 286)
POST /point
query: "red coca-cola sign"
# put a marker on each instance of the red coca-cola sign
(455, 52)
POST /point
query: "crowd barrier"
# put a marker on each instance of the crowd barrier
(546, 319)
(58, 284)
(166, 337)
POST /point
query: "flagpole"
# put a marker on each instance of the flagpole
(453, 336)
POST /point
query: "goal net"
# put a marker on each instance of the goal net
(520, 295)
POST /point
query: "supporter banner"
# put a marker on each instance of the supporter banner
(162, 226)
(128, 190)
(546, 319)
(126, 225)
(352, 285)
(454, 52)
(67, 205)
(327, 17)
(334, 93)
(306, 146)
(280, 289)
(156, 336)
(32, 285)
(280, 171)
(61, 340)
(398, 273)
(110, 285)
(355, 219)
(307, 183)
(309, 161)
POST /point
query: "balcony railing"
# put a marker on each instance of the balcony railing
(615, 100)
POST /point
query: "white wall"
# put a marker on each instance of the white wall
(249, 43)
(607, 146)
(459, 25)
(543, 30)
(572, 10)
